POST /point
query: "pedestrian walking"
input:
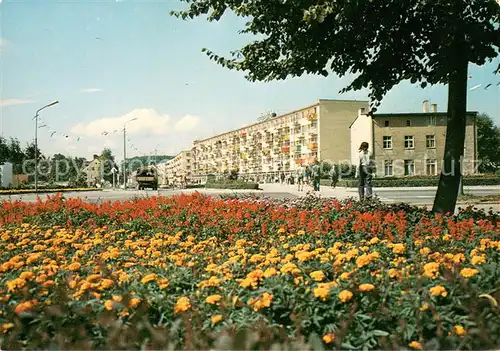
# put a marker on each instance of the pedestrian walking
(334, 177)
(365, 170)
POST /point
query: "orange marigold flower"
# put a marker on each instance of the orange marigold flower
(74, 266)
(328, 338)
(415, 345)
(345, 295)
(148, 278)
(183, 304)
(468, 272)
(366, 287)
(213, 299)
(438, 290)
(459, 330)
(318, 275)
(216, 319)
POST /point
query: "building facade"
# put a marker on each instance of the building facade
(279, 144)
(94, 172)
(410, 144)
(176, 171)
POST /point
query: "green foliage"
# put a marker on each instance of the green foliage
(418, 182)
(232, 185)
(393, 41)
(488, 144)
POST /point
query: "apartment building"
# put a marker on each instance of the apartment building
(94, 171)
(176, 171)
(280, 143)
(408, 144)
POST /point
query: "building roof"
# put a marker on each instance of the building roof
(410, 114)
(274, 118)
(417, 114)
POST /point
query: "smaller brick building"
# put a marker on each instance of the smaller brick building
(410, 144)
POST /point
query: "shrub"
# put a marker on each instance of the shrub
(232, 185)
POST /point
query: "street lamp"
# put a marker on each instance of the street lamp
(36, 140)
(125, 153)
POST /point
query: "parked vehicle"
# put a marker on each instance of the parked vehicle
(147, 177)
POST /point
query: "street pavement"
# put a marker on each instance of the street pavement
(417, 196)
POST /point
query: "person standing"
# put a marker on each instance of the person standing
(365, 171)
(316, 175)
(300, 179)
(334, 177)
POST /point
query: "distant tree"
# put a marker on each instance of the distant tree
(16, 155)
(382, 42)
(488, 144)
(4, 150)
(28, 165)
(108, 162)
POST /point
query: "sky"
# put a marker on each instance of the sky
(108, 62)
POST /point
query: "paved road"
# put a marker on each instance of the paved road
(416, 196)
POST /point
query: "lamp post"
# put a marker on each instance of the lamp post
(36, 140)
(125, 152)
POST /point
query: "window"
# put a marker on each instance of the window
(387, 142)
(409, 144)
(387, 168)
(386, 123)
(409, 167)
(430, 141)
(431, 167)
(408, 122)
(432, 120)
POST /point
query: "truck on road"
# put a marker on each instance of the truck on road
(147, 177)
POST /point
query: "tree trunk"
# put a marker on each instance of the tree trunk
(451, 172)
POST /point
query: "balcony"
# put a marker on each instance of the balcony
(285, 149)
(312, 116)
(298, 148)
(313, 146)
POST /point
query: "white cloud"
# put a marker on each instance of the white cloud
(187, 123)
(12, 102)
(148, 120)
(91, 90)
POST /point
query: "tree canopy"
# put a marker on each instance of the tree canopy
(488, 144)
(381, 42)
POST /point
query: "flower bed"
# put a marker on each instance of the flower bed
(195, 272)
(42, 190)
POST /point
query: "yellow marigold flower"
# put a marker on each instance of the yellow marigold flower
(345, 275)
(7, 326)
(446, 237)
(183, 304)
(424, 307)
(117, 298)
(301, 232)
(139, 253)
(27, 275)
(25, 306)
(468, 272)
(438, 290)
(424, 251)
(149, 278)
(270, 272)
(475, 260)
(263, 301)
(134, 302)
(363, 260)
(431, 270)
(281, 231)
(163, 283)
(459, 330)
(318, 275)
(213, 299)
(345, 295)
(106, 283)
(415, 345)
(321, 292)
(398, 248)
(366, 287)
(328, 338)
(108, 305)
(74, 266)
(374, 241)
(458, 258)
(216, 319)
